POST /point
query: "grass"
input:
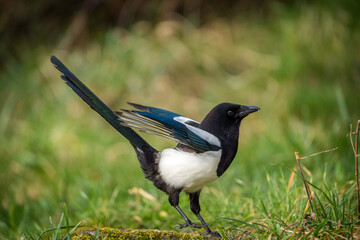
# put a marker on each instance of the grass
(63, 165)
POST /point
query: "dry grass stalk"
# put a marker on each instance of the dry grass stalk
(356, 153)
(305, 183)
(307, 188)
(357, 167)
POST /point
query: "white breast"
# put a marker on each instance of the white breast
(189, 171)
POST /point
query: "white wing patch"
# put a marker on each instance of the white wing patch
(210, 138)
(184, 120)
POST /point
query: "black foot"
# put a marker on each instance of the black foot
(212, 235)
(189, 224)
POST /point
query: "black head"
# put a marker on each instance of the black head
(223, 121)
(226, 116)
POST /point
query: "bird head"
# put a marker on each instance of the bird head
(226, 115)
(223, 121)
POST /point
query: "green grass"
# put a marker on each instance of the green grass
(300, 66)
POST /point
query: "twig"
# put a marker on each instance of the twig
(357, 167)
(325, 151)
(305, 183)
(351, 140)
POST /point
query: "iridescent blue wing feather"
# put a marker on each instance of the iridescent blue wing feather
(169, 125)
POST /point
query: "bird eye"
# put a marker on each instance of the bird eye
(230, 113)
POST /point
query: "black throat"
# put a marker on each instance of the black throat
(229, 145)
(229, 138)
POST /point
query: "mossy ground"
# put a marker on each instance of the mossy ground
(85, 233)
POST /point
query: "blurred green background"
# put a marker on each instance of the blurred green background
(298, 61)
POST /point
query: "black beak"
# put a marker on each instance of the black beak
(246, 110)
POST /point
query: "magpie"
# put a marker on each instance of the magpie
(204, 149)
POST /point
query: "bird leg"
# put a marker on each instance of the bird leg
(174, 201)
(195, 207)
(187, 223)
(208, 230)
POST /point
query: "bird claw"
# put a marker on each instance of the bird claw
(212, 234)
(189, 224)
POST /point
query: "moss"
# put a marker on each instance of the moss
(87, 233)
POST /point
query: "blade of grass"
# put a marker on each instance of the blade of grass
(319, 227)
(73, 229)
(97, 232)
(321, 205)
(66, 222)
(249, 224)
(57, 231)
(66, 216)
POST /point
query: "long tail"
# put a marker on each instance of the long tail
(144, 151)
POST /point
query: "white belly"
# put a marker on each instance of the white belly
(188, 170)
